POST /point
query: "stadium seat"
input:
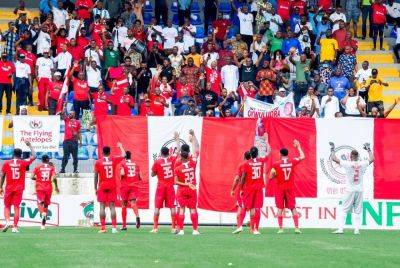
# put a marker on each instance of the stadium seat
(195, 7)
(61, 138)
(174, 7)
(94, 154)
(6, 152)
(147, 18)
(225, 7)
(93, 140)
(83, 153)
(199, 32)
(62, 127)
(59, 155)
(195, 19)
(84, 140)
(148, 8)
(40, 154)
(70, 97)
(175, 20)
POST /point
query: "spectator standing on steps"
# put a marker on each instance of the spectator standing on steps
(72, 139)
(161, 11)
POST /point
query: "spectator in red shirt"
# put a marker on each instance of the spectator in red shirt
(72, 135)
(191, 72)
(77, 52)
(378, 22)
(53, 93)
(283, 9)
(300, 4)
(181, 86)
(7, 70)
(224, 54)
(84, 9)
(213, 77)
(82, 41)
(61, 39)
(145, 108)
(100, 103)
(125, 104)
(81, 91)
(221, 28)
(353, 43)
(340, 35)
(158, 103)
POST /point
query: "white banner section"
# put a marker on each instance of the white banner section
(284, 107)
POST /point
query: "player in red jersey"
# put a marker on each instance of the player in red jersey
(13, 172)
(241, 211)
(185, 178)
(252, 183)
(105, 171)
(130, 177)
(163, 168)
(282, 170)
(44, 174)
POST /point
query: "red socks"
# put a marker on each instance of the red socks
(181, 221)
(240, 217)
(103, 223)
(173, 220)
(296, 221)
(252, 222)
(155, 220)
(135, 209)
(257, 217)
(7, 213)
(114, 222)
(195, 220)
(16, 216)
(124, 213)
(280, 221)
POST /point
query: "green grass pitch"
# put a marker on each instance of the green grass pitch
(216, 247)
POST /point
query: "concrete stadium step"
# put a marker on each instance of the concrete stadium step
(8, 13)
(382, 57)
(394, 114)
(367, 45)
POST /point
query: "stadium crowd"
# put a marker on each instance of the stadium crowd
(115, 57)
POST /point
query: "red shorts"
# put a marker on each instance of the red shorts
(239, 200)
(284, 198)
(12, 198)
(106, 195)
(129, 193)
(165, 196)
(44, 196)
(253, 198)
(187, 197)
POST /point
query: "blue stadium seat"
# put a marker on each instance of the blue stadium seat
(59, 155)
(199, 32)
(83, 153)
(147, 18)
(61, 139)
(174, 7)
(40, 154)
(195, 7)
(93, 140)
(148, 8)
(94, 154)
(84, 140)
(6, 152)
(175, 20)
(195, 19)
(62, 127)
(225, 7)
(70, 97)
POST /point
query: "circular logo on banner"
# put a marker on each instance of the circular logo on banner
(171, 145)
(35, 124)
(331, 169)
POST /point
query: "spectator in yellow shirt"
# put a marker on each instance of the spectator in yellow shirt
(374, 87)
(195, 56)
(329, 47)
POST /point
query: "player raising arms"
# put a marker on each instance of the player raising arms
(14, 174)
(185, 178)
(44, 174)
(241, 211)
(130, 177)
(252, 183)
(105, 170)
(282, 170)
(353, 196)
(163, 168)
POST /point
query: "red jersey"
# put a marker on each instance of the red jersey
(186, 172)
(283, 9)
(77, 52)
(72, 129)
(378, 13)
(178, 160)
(254, 169)
(55, 89)
(180, 88)
(164, 169)
(125, 105)
(100, 104)
(15, 170)
(106, 168)
(325, 4)
(299, 4)
(241, 168)
(82, 42)
(131, 175)
(82, 8)
(7, 70)
(221, 27)
(44, 173)
(284, 172)
(157, 105)
(214, 78)
(81, 90)
(59, 42)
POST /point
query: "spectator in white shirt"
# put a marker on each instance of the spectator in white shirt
(189, 32)
(362, 76)
(354, 105)
(63, 60)
(44, 73)
(94, 53)
(210, 56)
(309, 100)
(22, 82)
(99, 10)
(275, 21)
(60, 15)
(280, 98)
(336, 17)
(176, 60)
(330, 104)
(93, 76)
(154, 28)
(73, 25)
(120, 32)
(245, 23)
(179, 43)
(43, 42)
(169, 33)
(230, 76)
(128, 41)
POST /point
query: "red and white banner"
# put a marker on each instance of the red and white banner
(223, 142)
(257, 109)
(43, 132)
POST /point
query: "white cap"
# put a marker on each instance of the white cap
(281, 89)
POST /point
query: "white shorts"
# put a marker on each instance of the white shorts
(352, 202)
